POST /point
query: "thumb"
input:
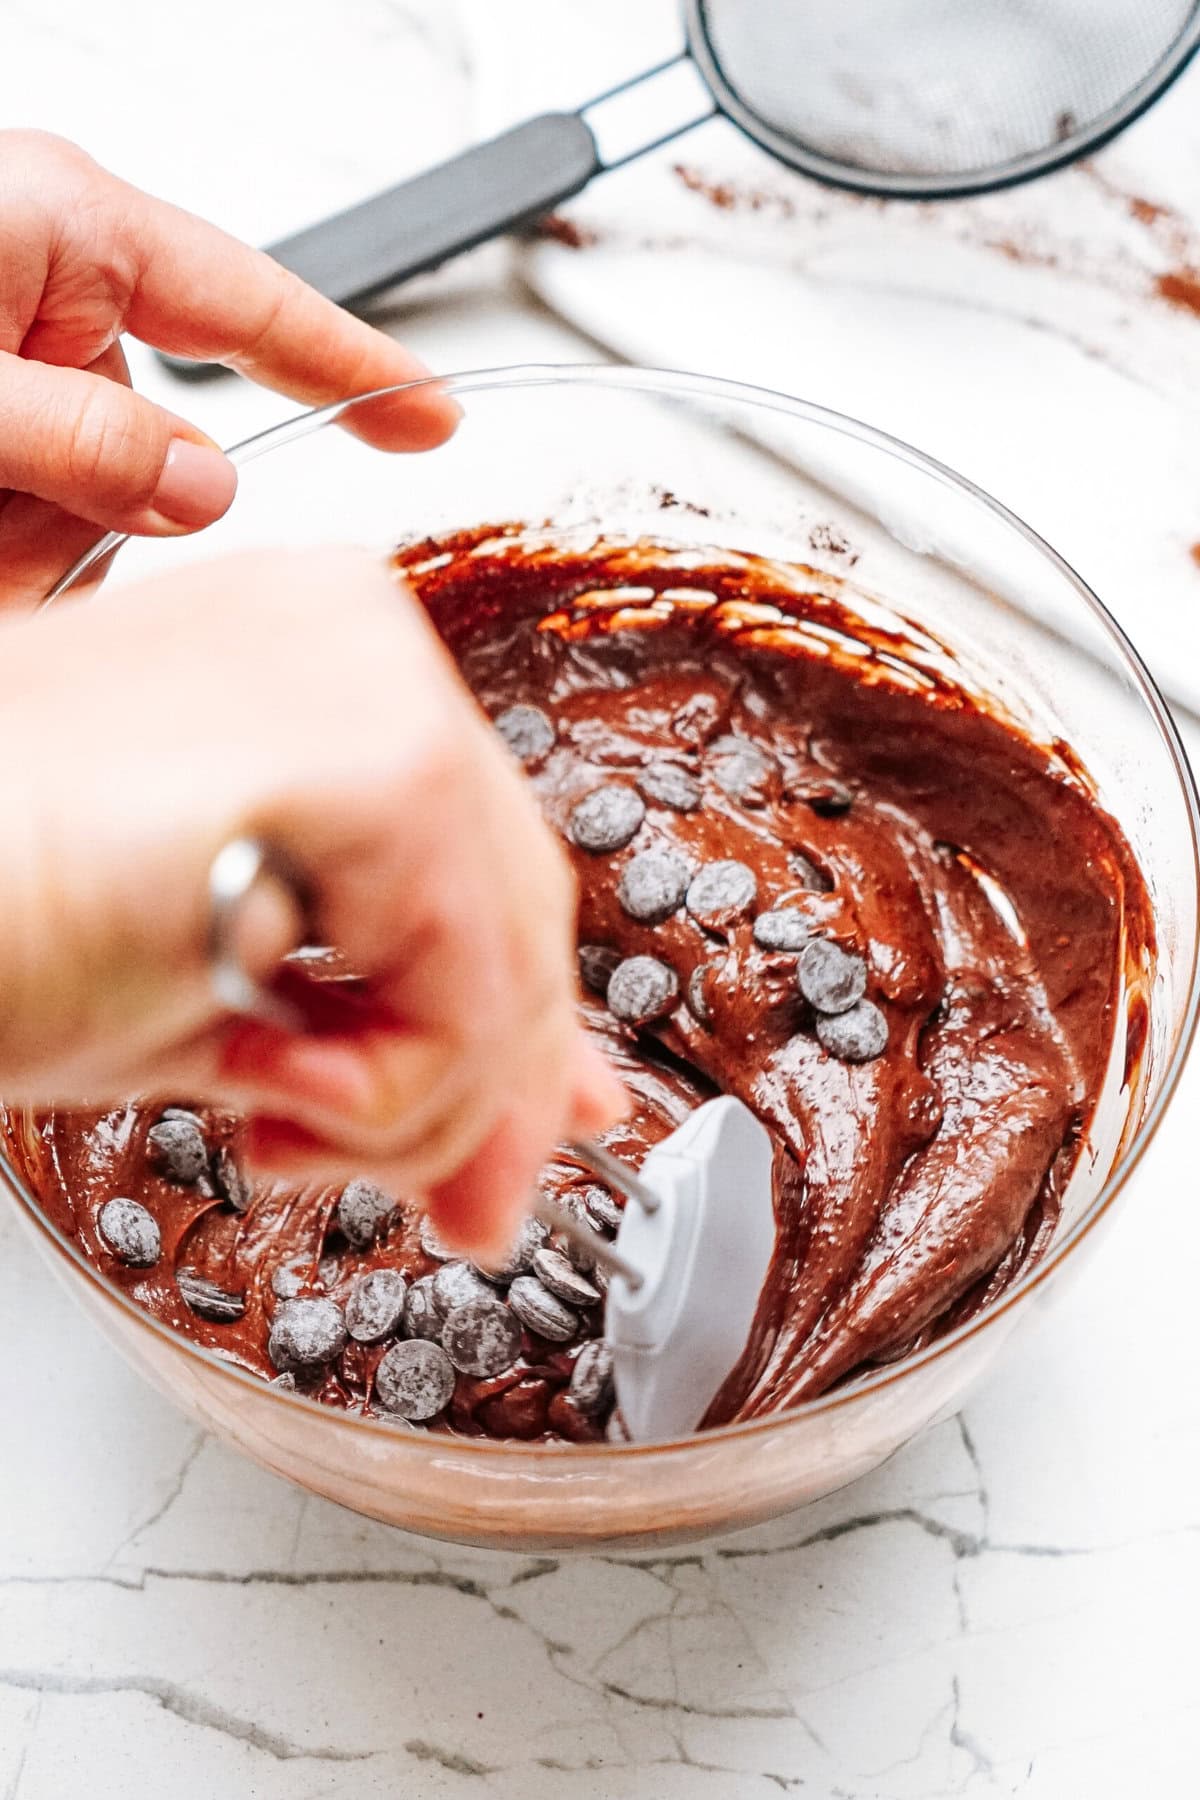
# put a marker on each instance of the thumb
(104, 453)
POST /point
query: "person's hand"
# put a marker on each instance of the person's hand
(85, 257)
(305, 699)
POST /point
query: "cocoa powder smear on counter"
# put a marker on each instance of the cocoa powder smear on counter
(815, 873)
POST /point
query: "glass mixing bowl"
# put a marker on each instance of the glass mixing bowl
(695, 462)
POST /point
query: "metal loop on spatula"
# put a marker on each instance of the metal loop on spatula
(237, 869)
(614, 1173)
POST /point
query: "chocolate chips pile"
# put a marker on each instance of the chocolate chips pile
(495, 1348)
(657, 883)
(381, 1315)
(375, 1313)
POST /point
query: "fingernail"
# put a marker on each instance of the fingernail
(196, 486)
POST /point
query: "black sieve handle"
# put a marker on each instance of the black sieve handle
(492, 188)
(487, 190)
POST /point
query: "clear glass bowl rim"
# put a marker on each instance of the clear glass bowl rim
(632, 378)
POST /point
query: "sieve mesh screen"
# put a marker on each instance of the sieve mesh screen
(937, 88)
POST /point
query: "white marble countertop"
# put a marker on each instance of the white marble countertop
(1007, 1608)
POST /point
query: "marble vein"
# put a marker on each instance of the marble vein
(962, 1739)
(945, 1713)
(13, 1788)
(192, 1708)
(690, 1709)
(174, 1490)
(453, 1761)
(964, 1545)
(683, 1759)
(972, 1453)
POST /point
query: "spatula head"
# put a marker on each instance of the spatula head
(703, 1256)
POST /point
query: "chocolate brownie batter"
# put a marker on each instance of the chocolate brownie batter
(817, 870)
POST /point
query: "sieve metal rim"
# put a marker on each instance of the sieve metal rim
(879, 184)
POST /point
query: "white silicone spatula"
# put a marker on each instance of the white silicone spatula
(680, 1319)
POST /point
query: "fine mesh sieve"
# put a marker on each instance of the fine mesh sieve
(935, 98)
(908, 99)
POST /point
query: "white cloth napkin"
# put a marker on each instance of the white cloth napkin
(1044, 341)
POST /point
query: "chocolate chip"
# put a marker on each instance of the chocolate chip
(531, 1235)
(554, 1271)
(857, 1035)
(457, 1282)
(577, 1255)
(305, 1334)
(482, 1337)
(526, 730)
(131, 1232)
(538, 1308)
(178, 1150)
(592, 1378)
(364, 1211)
(208, 1300)
(375, 1305)
(697, 999)
(830, 799)
(421, 1316)
(230, 1183)
(720, 893)
(642, 989)
(666, 784)
(785, 928)
(596, 964)
(696, 720)
(601, 1208)
(741, 769)
(288, 1279)
(606, 819)
(653, 884)
(830, 978)
(432, 1244)
(571, 1200)
(580, 1256)
(808, 874)
(414, 1379)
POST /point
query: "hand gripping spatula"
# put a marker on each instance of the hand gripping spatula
(696, 1235)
